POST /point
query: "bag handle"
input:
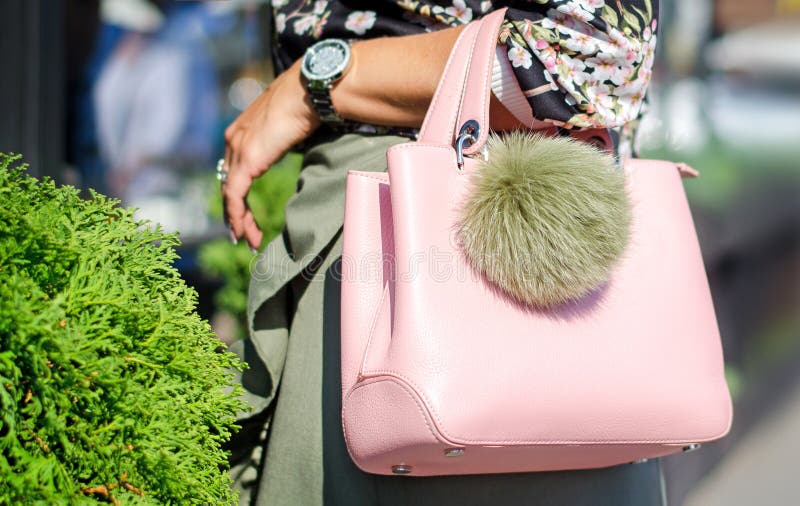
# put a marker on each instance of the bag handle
(463, 92)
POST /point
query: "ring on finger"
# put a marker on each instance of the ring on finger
(222, 174)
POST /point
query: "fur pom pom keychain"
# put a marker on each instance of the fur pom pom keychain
(546, 217)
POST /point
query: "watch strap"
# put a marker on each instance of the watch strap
(319, 92)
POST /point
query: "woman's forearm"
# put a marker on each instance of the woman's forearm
(392, 80)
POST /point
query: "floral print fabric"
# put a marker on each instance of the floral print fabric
(579, 63)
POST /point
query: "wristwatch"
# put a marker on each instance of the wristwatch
(323, 64)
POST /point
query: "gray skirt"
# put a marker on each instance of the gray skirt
(290, 450)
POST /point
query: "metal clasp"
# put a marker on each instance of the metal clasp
(467, 135)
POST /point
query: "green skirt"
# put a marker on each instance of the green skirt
(290, 450)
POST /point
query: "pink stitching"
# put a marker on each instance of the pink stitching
(493, 27)
(365, 176)
(445, 74)
(412, 145)
(420, 144)
(454, 120)
(372, 325)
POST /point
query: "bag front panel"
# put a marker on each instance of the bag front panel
(638, 361)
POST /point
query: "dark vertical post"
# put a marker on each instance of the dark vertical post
(31, 83)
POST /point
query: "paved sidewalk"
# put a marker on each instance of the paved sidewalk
(764, 467)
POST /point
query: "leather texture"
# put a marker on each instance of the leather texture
(436, 362)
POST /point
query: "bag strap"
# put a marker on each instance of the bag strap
(463, 91)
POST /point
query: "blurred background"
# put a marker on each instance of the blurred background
(131, 98)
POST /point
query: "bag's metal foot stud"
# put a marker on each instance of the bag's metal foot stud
(692, 447)
(402, 469)
(454, 452)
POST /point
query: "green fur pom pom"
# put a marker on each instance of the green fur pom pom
(546, 217)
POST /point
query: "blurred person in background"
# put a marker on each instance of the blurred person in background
(155, 103)
(578, 64)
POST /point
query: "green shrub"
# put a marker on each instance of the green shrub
(112, 388)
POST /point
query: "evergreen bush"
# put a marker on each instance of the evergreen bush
(112, 388)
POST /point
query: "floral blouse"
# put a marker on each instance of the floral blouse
(579, 63)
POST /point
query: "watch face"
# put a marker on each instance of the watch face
(326, 59)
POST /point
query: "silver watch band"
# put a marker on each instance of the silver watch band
(319, 92)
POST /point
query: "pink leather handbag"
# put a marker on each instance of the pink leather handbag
(441, 374)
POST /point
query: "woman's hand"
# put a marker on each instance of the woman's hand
(390, 81)
(279, 118)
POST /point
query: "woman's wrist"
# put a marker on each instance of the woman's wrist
(303, 109)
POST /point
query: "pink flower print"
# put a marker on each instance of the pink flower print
(548, 24)
(615, 40)
(359, 22)
(596, 91)
(280, 22)
(548, 56)
(571, 72)
(604, 67)
(600, 96)
(557, 19)
(526, 30)
(630, 88)
(576, 12)
(591, 5)
(519, 57)
(304, 24)
(581, 43)
(607, 69)
(545, 52)
(629, 99)
(460, 11)
(645, 74)
(550, 64)
(320, 6)
(582, 121)
(319, 26)
(549, 78)
(648, 50)
(646, 34)
(541, 44)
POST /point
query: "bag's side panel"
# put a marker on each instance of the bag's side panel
(367, 246)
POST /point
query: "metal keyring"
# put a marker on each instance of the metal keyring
(222, 174)
(467, 136)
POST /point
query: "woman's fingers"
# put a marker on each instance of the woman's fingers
(252, 233)
(249, 160)
(234, 195)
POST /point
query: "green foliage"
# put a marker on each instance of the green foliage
(112, 388)
(232, 263)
